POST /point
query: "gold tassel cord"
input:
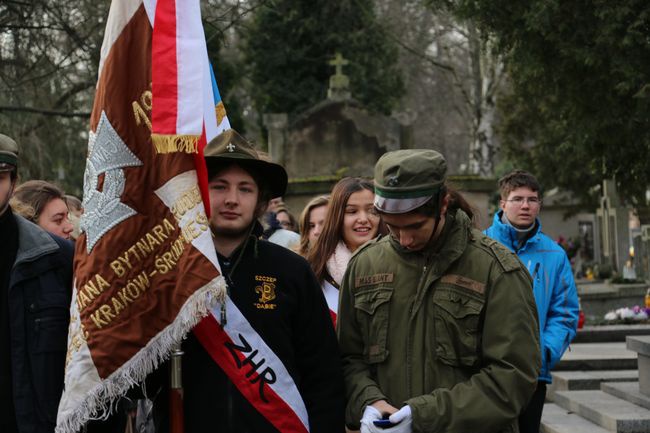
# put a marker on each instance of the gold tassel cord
(164, 143)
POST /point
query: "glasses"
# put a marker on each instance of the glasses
(519, 201)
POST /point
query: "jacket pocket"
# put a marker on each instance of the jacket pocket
(50, 337)
(372, 313)
(456, 319)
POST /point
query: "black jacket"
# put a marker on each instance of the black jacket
(298, 329)
(40, 290)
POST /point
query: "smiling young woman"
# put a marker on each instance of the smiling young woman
(351, 221)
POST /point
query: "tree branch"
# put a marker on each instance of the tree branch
(9, 108)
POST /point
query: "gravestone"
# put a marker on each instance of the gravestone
(613, 224)
(339, 89)
(339, 137)
(642, 252)
(336, 136)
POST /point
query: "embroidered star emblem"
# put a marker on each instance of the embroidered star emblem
(108, 155)
(230, 147)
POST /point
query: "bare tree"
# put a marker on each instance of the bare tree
(452, 83)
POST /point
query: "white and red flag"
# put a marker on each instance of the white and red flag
(146, 271)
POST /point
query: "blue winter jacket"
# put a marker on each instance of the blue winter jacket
(553, 286)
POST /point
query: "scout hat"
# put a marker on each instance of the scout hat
(407, 179)
(231, 148)
(8, 153)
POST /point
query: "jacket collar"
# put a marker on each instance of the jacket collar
(507, 235)
(33, 241)
(449, 247)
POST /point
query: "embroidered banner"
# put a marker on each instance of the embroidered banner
(145, 266)
(253, 368)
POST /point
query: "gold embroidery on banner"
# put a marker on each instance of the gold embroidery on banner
(78, 336)
(266, 290)
(465, 282)
(220, 111)
(123, 297)
(157, 252)
(370, 280)
(139, 112)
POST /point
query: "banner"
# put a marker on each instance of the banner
(145, 266)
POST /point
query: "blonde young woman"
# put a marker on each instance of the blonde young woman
(312, 219)
(43, 203)
(351, 221)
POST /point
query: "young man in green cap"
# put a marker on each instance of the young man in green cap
(35, 294)
(437, 322)
(281, 369)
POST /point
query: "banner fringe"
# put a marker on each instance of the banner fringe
(100, 402)
(172, 143)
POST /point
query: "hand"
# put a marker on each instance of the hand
(403, 421)
(370, 414)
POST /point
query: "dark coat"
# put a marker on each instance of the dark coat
(40, 290)
(299, 331)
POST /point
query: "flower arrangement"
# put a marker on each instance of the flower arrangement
(628, 315)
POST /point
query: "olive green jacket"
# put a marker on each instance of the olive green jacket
(451, 331)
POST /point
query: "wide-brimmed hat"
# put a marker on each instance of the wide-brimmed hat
(407, 179)
(231, 148)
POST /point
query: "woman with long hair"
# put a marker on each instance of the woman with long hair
(43, 203)
(351, 221)
(312, 219)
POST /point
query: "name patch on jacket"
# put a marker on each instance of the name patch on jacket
(370, 280)
(465, 282)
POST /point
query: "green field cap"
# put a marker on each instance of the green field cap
(231, 148)
(8, 153)
(406, 179)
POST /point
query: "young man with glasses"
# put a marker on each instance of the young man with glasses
(517, 227)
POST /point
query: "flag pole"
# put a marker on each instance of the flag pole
(176, 413)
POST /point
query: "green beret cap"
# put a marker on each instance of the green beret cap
(8, 153)
(406, 179)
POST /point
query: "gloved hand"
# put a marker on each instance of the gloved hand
(369, 415)
(403, 421)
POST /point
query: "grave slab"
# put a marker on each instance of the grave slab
(584, 380)
(628, 391)
(598, 356)
(641, 345)
(558, 420)
(609, 412)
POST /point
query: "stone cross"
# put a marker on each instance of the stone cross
(339, 89)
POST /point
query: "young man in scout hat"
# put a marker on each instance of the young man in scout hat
(517, 227)
(282, 368)
(35, 294)
(437, 322)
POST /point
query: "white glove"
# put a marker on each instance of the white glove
(403, 421)
(370, 414)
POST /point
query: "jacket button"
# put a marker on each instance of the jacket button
(32, 307)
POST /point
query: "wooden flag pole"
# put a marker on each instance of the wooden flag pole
(176, 413)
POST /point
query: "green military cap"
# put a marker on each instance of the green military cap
(8, 153)
(231, 148)
(406, 179)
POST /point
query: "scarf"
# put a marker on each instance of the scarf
(338, 262)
